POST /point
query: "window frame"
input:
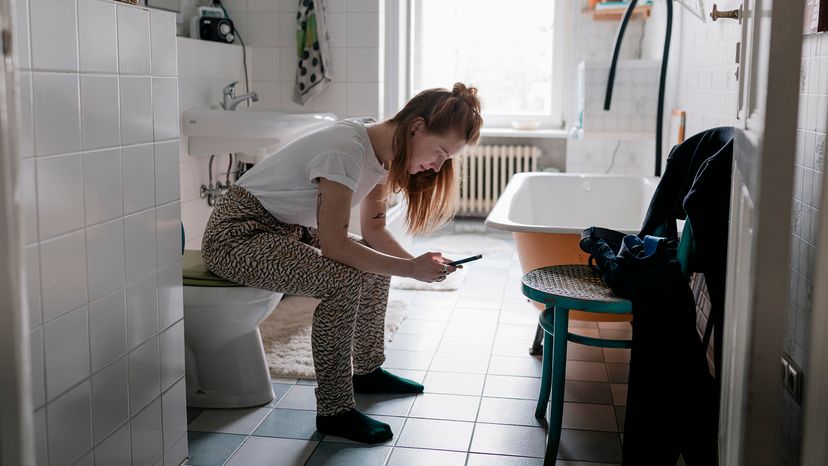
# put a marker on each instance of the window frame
(399, 74)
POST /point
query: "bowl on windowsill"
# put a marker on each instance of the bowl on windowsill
(526, 124)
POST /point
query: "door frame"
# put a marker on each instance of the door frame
(16, 423)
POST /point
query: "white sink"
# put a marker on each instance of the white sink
(252, 134)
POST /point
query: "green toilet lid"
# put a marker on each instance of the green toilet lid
(195, 273)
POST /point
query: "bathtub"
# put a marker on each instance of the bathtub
(546, 213)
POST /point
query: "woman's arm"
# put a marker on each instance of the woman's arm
(373, 227)
(333, 211)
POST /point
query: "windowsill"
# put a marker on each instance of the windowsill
(524, 133)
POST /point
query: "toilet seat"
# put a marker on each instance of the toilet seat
(195, 273)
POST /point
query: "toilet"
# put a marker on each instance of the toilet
(225, 359)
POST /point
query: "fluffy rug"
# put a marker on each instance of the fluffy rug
(286, 335)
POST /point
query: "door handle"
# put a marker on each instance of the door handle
(728, 14)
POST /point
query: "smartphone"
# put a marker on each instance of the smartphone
(463, 261)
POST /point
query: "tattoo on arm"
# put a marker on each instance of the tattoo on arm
(379, 215)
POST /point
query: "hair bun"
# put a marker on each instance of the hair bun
(468, 94)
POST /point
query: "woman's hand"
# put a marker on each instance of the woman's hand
(430, 267)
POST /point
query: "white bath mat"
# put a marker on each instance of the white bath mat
(451, 283)
(286, 335)
(467, 245)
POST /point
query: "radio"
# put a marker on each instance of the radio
(211, 24)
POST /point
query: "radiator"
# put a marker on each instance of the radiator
(486, 169)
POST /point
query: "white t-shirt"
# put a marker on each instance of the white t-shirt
(286, 183)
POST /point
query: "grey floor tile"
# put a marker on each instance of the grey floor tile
(619, 394)
(582, 445)
(414, 342)
(578, 352)
(384, 403)
(589, 417)
(523, 366)
(266, 451)
(439, 314)
(419, 457)
(506, 386)
(482, 345)
(421, 326)
(470, 329)
(448, 407)
(279, 391)
(454, 383)
(524, 317)
(508, 411)
(507, 330)
(483, 316)
(478, 459)
(442, 299)
(579, 391)
(299, 397)
(211, 449)
(618, 373)
(414, 360)
(585, 370)
(502, 439)
(515, 347)
(229, 421)
(347, 454)
(469, 363)
(617, 355)
(289, 423)
(396, 423)
(479, 302)
(436, 434)
(616, 333)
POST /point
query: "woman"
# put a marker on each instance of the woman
(284, 227)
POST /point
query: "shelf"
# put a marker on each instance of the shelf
(616, 14)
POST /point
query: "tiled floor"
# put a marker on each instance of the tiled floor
(470, 349)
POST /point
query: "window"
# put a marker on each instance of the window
(505, 49)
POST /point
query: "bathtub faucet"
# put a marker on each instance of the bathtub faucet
(229, 99)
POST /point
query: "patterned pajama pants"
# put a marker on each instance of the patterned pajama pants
(245, 244)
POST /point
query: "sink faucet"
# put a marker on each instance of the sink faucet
(230, 101)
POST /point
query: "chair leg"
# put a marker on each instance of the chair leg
(553, 436)
(546, 376)
(537, 348)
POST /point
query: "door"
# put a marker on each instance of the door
(761, 194)
(16, 444)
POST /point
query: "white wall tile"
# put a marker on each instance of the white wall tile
(139, 244)
(21, 31)
(264, 63)
(56, 113)
(228, 65)
(139, 177)
(25, 141)
(163, 47)
(63, 274)
(363, 65)
(147, 435)
(286, 90)
(105, 258)
(60, 195)
(41, 443)
(168, 219)
(176, 454)
(270, 94)
(165, 108)
(338, 30)
(54, 35)
(263, 30)
(69, 424)
(87, 460)
(103, 185)
(363, 29)
(99, 112)
(110, 399)
(107, 330)
(167, 179)
(67, 352)
(170, 295)
(263, 6)
(235, 5)
(287, 65)
(28, 192)
(186, 57)
(286, 30)
(116, 448)
(363, 99)
(204, 58)
(136, 110)
(144, 377)
(142, 311)
(174, 412)
(172, 355)
(333, 99)
(31, 255)
(133, 40)
(98, 34)
(37, 367)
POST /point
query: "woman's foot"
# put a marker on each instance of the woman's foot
(382, 381)
(355, 426)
